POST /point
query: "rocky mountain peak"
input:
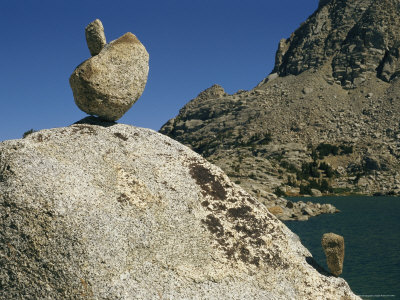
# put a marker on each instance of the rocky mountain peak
(357, 38)
(215, 91)
(323, 2)
(324, 121)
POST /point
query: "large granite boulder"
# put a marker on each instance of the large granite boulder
(109, 83)
(117, 212)
(333, 245)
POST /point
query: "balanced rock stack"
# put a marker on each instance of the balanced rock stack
(113, 79)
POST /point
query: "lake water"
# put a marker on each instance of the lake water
(371, 230)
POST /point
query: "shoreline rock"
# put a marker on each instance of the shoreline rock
(287, 210)
(333, 245)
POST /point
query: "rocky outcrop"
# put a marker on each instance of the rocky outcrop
(317, 40)
(109, 83)
(372, 44)
(95, 37)
(357, 37)
(309, 128)
(113, 211)
(301, 211)
(214, 92)
(333, 246)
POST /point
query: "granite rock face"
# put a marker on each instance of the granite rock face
(118, 212)
(333, 246)
(95, 37)
(109, 83)
(214, 92)
(358, 37)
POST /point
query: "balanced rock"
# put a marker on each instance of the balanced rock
(95, 37)
(118, 212)
(109, 83)
(333, 246)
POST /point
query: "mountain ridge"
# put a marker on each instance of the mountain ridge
(324, 119)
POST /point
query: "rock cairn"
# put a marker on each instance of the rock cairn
(113, 79)
(333, 245)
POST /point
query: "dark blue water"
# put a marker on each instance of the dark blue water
(371, 230)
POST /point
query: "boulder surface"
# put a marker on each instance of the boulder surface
(111, 211)
(109, 83)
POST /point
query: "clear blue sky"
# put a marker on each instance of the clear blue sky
(192, 45)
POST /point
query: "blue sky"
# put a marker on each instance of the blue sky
(192, 45)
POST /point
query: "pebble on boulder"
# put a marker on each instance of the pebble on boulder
(95, 37)
(333, 245)
(109, 83)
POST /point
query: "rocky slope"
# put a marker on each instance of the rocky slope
(101, 210)
(325, 121)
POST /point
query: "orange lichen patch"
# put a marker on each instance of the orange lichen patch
(128, 38)
(275, 210)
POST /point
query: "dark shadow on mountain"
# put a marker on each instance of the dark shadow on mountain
(313, 263)
(92, 120)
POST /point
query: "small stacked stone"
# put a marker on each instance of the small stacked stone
(95, 37)
(113, 79)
